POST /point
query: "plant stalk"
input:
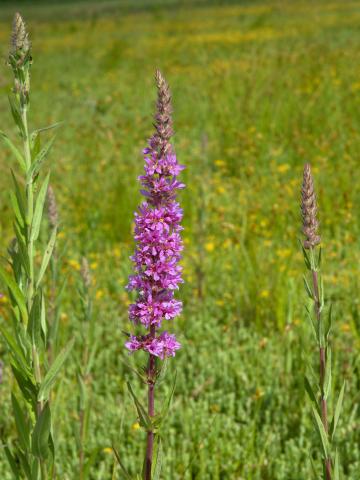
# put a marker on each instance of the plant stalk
(151, 410)
(322, 361)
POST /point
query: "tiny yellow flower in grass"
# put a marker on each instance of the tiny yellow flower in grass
(283, 252)
(345, 327)
(209, 246)
(135, 426)
(283, 168)
(99, 294)
(107, 450)
(264, 294)
(258, 394)
(3, 298)
(75, 265)
(220, 163)
(220, 302)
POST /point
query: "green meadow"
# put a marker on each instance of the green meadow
(259, 88)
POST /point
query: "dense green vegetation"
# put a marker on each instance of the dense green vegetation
(258, 89)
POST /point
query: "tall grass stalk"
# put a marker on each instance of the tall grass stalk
(32, 454)
(319, 388)
(89, 348)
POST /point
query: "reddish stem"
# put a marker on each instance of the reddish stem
(151, 410)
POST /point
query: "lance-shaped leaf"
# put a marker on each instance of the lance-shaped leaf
(47, 256)
(39, 206)
(34, 325)
(17, 116)
(307, 288)
(15, 468)
(41, 433)
(22, 249)
(329, 325)
(123, 469)
(145, 420)
(21, 424)
(14, 150)
(336, 466)
(322, 434)
(39, 159)
(157, 458)
(19, 196)
(337, 412)
(53, 371)
(306, 256)
(311, 393)
(15, 350)
(15, 292)
(327, 378)
(18, 214)
(314, 469)
(26, 384)
(167, 403)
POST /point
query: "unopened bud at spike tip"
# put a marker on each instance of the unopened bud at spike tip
(85, 272)
(309, 210)
(163, 118)
(20, 42)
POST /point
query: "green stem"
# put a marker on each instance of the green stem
(29, 208)
(322, 361)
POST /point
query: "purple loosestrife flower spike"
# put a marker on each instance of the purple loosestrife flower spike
(157, 235)
(309, 210)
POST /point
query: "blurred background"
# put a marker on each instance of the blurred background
(259, 88)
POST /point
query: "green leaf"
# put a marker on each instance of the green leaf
(19, 196)
(15, 350)
(34, 325)
(12, 462)
(311, 393)
(53, 371)
(18, 215)
(22, 250)
(337, 412)
(329, 325)
(39, 206)
(47, 256)
(21, 424)
(35, 144)
(307, 288)
(319, 258)
(313, 467)
(123, 469)
(145, 420)
(321, 293)
(39, 159)
(15, 291)
(41, 433)
(157, 458)
(336, 466)
(17, 116)
(167, 404)
(43, 319)
(322, 434)
(306, 257)
(327, 378)
(14, 150)
(26, 385)
(50, 127)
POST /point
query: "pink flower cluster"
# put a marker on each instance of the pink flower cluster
(162, 346)
(157, 254)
